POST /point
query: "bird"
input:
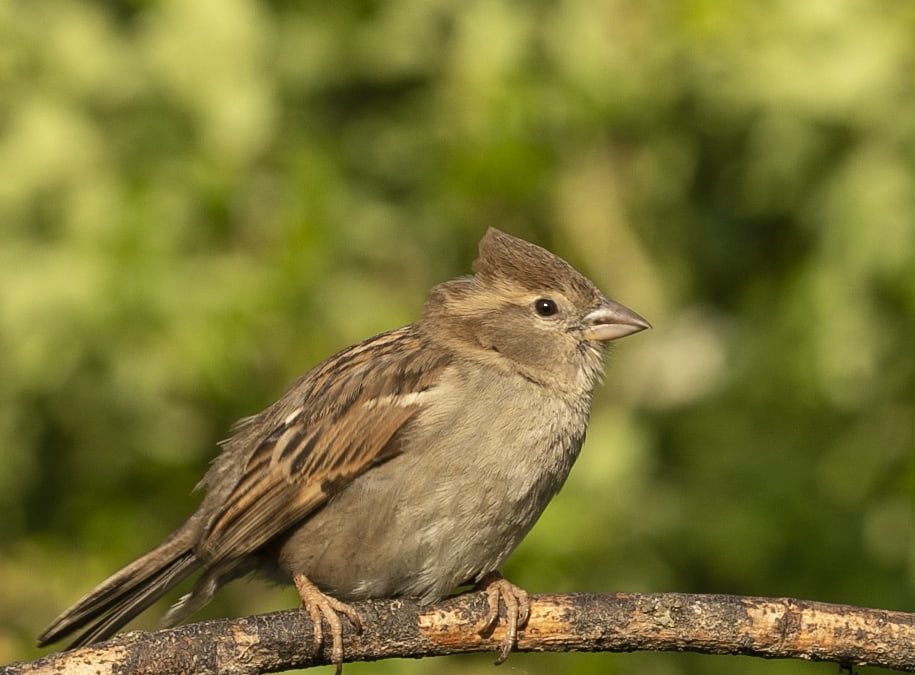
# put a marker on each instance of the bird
(410, 464)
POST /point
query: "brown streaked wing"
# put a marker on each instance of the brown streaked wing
(307, 458)
(263, 506)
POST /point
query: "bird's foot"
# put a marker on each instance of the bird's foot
(321, 608)
(517, 610)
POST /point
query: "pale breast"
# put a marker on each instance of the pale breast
(476, 473)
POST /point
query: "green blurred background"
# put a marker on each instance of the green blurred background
(200, 200)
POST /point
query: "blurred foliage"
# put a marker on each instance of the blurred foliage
(200, 200)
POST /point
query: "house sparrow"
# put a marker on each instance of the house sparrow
(409, 464)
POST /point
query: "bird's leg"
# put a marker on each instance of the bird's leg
(320, 608)
(517, 610)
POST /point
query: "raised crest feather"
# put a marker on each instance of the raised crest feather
(503, 257)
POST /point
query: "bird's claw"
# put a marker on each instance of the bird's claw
(517, 610)
(321, 608)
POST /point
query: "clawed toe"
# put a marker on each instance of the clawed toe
(321, 608)
(517, 610)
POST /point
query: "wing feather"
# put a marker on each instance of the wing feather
(324, 433)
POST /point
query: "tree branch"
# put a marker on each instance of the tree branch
(618, 622)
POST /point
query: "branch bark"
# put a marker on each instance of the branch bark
(618, 622)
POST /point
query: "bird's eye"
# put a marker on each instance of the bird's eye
(545, 307)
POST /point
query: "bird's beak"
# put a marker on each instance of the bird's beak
(611, 321)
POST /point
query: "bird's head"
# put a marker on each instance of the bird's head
(527, 309)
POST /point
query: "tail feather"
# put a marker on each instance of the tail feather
(125, 594)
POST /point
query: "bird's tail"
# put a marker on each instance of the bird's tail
(123, 595)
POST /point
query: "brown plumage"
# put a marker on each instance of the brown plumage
(408, 464)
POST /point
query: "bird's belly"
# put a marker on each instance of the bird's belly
(428, 521)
